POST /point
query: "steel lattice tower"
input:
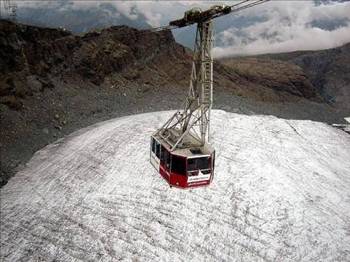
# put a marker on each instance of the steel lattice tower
(194, 120)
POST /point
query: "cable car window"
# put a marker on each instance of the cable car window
(203, 163)
(198, 163)
(153, 145)
(191, 164)
(162, 154)
(157, 149)
(165, 157)
(178, 165)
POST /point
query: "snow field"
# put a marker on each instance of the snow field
(281, 192)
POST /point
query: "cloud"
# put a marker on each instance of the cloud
(305, 39)
(287, 26)
(156, 13)
(276, 26)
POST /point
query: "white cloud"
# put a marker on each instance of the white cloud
(287, 27)
(156, 12)
(276, 26)
(305, 39)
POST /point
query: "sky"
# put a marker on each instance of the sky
(273, 27)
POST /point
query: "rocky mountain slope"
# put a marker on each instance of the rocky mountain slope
(31, 57)
(53, 82)
(328, 71)
(273, 77)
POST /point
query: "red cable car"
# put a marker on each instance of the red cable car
(183, 168)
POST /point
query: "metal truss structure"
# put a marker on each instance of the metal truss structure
(190, 127)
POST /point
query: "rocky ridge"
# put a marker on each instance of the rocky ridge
(328, 71)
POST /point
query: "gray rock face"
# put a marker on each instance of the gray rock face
(327, 70)
(34, 84)
(330, 74)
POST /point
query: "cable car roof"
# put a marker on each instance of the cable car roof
(188, 152)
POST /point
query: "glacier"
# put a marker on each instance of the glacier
(281, 192)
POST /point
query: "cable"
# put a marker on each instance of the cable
(258, 2)
(232, 6)
(248, 5)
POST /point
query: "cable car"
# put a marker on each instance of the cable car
(183, 168)
(180, 149)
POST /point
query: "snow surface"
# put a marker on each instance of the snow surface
(281, 192)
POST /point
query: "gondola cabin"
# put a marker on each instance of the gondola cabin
(184, 167)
